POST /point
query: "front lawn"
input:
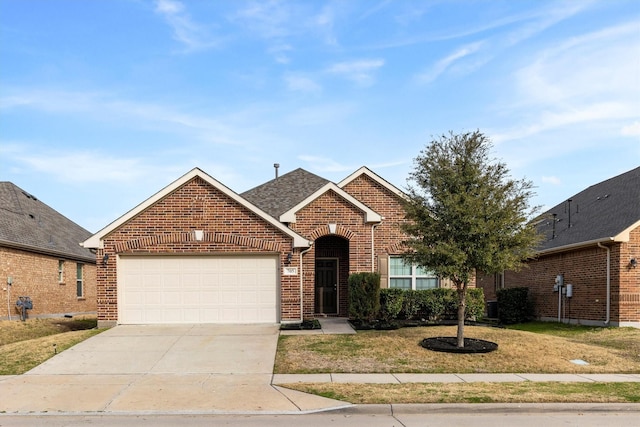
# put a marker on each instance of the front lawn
(528, 348)
(25, 345)
(605, 350)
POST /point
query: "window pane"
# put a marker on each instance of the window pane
(423, 272)
(400, 283)
(60, 271)
(426, 283)
(79, 287)
(397, 267)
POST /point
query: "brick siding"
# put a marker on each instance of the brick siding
(167, 227)
(585, 269)
(36, 276)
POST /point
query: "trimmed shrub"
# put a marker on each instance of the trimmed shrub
(391, 303)
(430, 304)
(364, 296)
(475, 304)
(514, 305)
(412, 304)
(442, 304)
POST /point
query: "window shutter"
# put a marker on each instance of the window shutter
(383, 268)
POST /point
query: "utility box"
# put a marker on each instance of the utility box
(24, 304)
(492, 309)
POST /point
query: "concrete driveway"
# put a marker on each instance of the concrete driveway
(192, 368)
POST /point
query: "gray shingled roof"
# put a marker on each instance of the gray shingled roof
(29, 224)
(279, 195)
(601, 211)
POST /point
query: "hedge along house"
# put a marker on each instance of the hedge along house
(197, 252)
(41, 257)
(586, 267)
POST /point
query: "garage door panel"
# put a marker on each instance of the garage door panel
(197, 289)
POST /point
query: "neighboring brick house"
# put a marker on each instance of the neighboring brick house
(40, 254)
(197, 252)
(591, 242)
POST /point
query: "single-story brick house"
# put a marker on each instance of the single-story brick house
(591, 242)
(197, 252)
(40, 255)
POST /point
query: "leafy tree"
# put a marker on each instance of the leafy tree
(466, 214)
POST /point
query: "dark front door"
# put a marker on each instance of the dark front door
(327, 286)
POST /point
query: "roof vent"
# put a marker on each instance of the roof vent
(30, 196)
(276, 166)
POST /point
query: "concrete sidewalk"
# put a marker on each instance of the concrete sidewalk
(449, 378)
(329, 326)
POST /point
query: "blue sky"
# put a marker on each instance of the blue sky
(103, 103)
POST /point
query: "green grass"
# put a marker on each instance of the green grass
(518, 392)
(19, 357)
(25, 345)
(554, 328)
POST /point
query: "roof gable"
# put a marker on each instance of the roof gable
(369, 214)
(29, 224)
(95, 241)
(603, 212)
(375, 177)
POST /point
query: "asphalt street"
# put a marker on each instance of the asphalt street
(478, 415)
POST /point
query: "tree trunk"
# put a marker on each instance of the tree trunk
(462, 303)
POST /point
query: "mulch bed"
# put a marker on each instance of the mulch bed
(450, 345)
(305, 325)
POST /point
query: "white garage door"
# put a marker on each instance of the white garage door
(197, 289)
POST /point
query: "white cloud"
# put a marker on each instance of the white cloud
(631, 130)
(551, 180)
(268, 19)
(321, 114)
(298, 83)
(193, 36)
(106, 107)
(445, 63)
(83, 167)
(324, 164)
(360, 72)
(581, 85)
(280, 52)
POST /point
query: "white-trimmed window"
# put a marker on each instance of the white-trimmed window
(79, 280)
(60, 271)
(407, 276)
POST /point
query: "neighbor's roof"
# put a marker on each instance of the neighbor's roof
(28, 224)
(284, 196)
(604, 212)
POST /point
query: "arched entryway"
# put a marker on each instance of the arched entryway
(331, 275)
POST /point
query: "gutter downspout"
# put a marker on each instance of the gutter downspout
(373, 247)
(608, 249)
(302, 283)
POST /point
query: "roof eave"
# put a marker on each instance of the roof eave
(578, 245)
(622, 237)
(49, 252)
